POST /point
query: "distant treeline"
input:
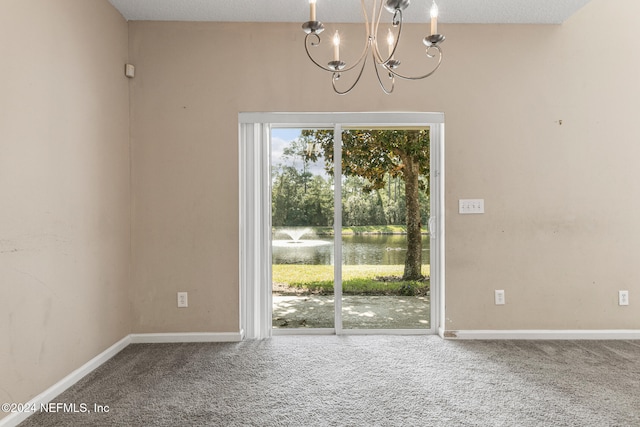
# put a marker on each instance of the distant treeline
(300, 198)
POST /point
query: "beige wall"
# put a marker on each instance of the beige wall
(560, 230)
(64, 189)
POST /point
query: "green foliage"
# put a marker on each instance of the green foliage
(300, 198)
(360, 207)
(357, 279)
(408, 288)
(372, 154)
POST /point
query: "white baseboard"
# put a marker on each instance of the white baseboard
(49, 394)
(531, 334)
(186, 337)
(55, 390)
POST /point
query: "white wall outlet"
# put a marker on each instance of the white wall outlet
(500, 297)
(470, 206)
(623, 297)
(129, 70)
(183, 300)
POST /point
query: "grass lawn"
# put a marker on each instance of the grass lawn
(356, 279)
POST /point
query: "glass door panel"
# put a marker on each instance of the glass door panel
(302, 215)
(385, 249)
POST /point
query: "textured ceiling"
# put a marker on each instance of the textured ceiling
(451, 11)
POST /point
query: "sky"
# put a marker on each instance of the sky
(280, 138)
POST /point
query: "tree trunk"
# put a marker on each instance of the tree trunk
(413, 261)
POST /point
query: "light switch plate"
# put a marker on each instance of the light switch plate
(471, 206)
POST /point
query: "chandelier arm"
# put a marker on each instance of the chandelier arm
(391, 76)
(378, 57)
(423, 76)
(306, 48)
(366, 18)
(336, 76)
(373, 35)
(377, 19)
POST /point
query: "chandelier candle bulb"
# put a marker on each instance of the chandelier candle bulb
(390, 43)
(336, 46)
(434, 18)
(312, 10)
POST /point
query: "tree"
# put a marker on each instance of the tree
(360, 207)
(299, 198)
(372, 154)
(297, 150)
(287, 197)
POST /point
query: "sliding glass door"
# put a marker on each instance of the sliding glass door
(360, 243)
(341, 223)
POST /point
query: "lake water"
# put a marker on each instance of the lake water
(371, 249)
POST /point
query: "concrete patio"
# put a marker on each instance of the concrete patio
(358, 312)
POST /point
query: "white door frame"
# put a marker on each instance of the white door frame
(255, 209)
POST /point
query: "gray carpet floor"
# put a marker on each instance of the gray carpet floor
(362, 381)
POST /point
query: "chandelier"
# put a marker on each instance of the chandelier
(385, 64)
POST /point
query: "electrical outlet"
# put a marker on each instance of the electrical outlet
(183, 300)
(623, 297)
(500, 297)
